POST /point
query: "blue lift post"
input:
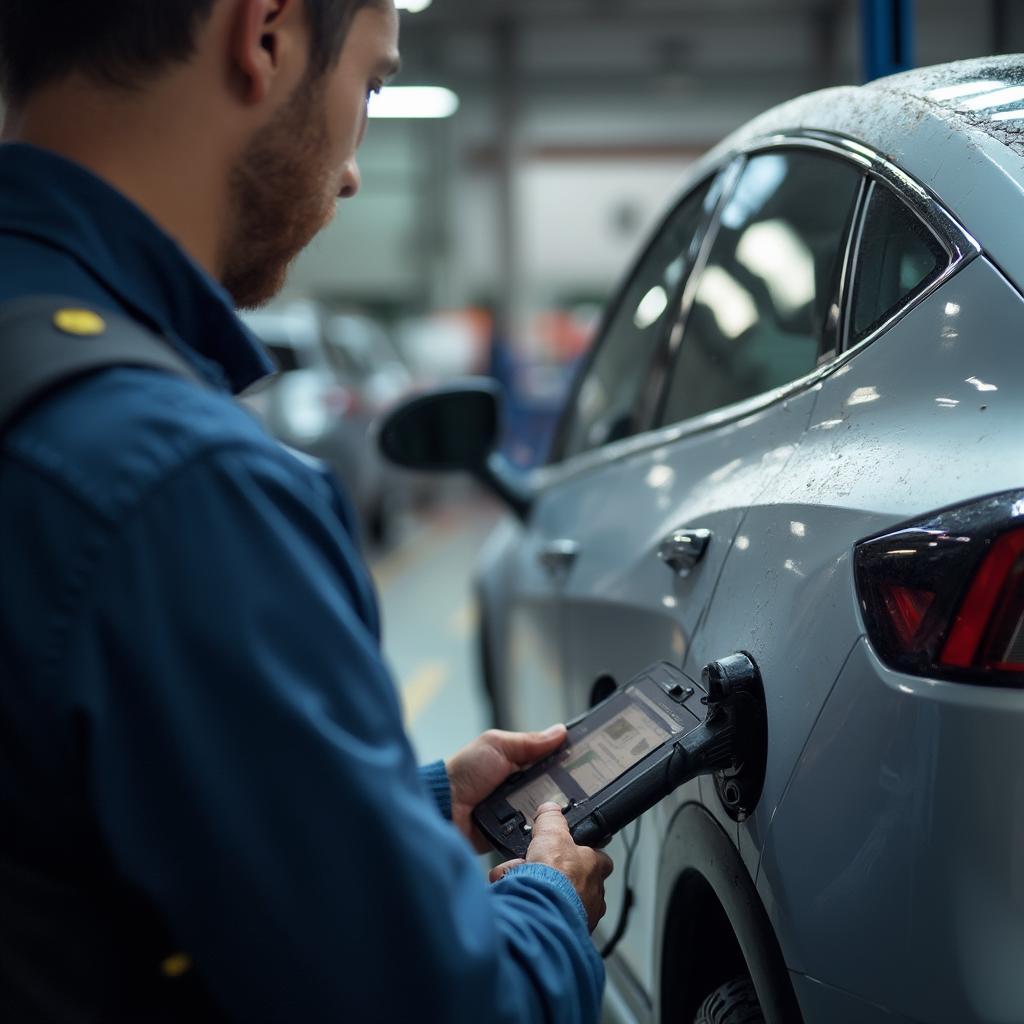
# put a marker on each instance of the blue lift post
(888, 27)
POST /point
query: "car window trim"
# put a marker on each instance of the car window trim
(665, 357)
(850, 256)
(562, 430)
(959, 244)
(854, 231)
(962, 246)
(953, 263)
(954, 237)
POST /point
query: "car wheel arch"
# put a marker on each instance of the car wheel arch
(711, 922)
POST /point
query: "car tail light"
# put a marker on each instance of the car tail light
(944, 597)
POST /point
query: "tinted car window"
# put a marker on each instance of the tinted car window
(899, 257)
(607, 400)
(770, 285)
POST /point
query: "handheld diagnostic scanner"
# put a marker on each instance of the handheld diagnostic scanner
(647, 739)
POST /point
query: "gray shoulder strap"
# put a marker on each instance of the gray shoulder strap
(47, 341)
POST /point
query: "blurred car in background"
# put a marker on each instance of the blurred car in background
(443, 345)
(363, 354)
(330, 386)
(797, 436)
(361, 350)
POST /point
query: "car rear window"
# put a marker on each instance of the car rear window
(763, 304)
(899, 257)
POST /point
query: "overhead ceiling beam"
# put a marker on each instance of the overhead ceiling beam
(446, 19)
(487, 157)
(722, 82)
(577, 12)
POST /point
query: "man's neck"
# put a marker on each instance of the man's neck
(138, 148)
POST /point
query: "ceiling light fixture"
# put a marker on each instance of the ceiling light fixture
(412, 6)
(414, 101)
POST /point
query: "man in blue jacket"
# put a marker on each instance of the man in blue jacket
(208, 807)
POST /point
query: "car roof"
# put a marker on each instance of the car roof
(958, 129)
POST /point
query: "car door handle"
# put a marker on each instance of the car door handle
(558, 556)
(681, 550)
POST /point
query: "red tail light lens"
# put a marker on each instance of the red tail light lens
(987, 630)
(945, 597)
(907, 608)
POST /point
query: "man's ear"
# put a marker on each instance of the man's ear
(269, 47)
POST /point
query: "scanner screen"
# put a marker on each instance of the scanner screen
(597, 759)
(600, 757)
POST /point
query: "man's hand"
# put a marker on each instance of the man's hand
(478, 770)
(553, 845)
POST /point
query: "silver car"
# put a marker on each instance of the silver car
(320, 407)
(798, 436)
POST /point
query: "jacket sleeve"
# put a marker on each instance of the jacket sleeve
(435, 777)
(251, 775)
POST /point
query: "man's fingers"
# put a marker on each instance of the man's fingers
(526, 748)
(549, 819)
(503, 869)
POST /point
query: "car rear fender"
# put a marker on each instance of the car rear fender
(712, 925)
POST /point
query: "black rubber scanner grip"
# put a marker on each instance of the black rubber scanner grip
(620, 809)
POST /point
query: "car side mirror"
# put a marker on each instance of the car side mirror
(454, 429)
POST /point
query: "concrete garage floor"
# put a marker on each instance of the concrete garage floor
(425, 588)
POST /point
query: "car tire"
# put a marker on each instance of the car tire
(735, 1002)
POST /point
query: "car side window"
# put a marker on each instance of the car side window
(607, 400)
(898, 258)
(768, 294)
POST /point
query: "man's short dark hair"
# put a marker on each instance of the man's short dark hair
(127, 42)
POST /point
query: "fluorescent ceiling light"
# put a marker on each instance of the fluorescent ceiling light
(414, 101)
(412, 6)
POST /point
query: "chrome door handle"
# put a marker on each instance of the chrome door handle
(558, 556)
(681, 550)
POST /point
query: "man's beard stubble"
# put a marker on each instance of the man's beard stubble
(281, 197)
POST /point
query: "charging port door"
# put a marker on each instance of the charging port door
(734, 684)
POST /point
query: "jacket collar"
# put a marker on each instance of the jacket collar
(59, 203)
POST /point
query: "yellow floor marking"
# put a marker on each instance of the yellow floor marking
(463, 622)
(424, 544)
(419, 548)
(426, 683)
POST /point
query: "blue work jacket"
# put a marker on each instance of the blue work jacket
(204, 778)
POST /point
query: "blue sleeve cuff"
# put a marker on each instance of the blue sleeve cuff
(435, 778)
(555, 878)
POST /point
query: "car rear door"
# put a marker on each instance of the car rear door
(653, 519)
(609, 405)
(786, 593)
